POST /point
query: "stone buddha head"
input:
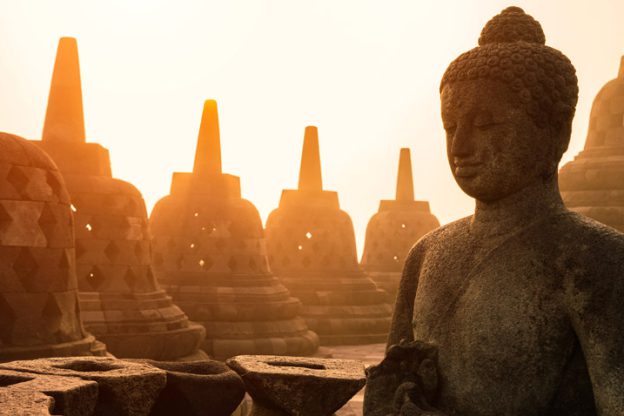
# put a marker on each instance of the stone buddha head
(507, 108)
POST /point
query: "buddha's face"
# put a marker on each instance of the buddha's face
(493, 146)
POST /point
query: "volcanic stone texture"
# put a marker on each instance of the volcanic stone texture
(111, 387)
(393, 230)
(593, 183)
(122, 303)
(298, 386)
(312, 250)
(39, 313)
(209, 253)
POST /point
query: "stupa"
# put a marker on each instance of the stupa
(209, 252)
(121, 302)
(394, 229)
(39, 312)
(593, 183)
(312, 250)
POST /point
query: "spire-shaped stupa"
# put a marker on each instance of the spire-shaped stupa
(593, 183)
(394, 229)
(312, 250)
(210, 255)
(121, 303)
(64, 121)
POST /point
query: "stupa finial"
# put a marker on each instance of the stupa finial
(310, 178)
(208, 152)
(64, 121)
(621, 73)
(405, 182)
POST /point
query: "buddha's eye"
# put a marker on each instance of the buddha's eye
(484, 122)
(450, 128)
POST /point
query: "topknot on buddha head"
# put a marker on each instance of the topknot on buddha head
(512, 50)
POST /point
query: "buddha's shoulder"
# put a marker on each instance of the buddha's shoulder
(442, 238)
(571, 228)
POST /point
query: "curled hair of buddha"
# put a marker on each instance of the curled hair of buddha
(512, 50)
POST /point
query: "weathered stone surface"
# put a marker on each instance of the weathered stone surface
(39, 315)
(70, 396)
(210, 255)
(312, 250)
(24, 403)
(593, 183)
(393, 230)
(298, 386)
(200, 388)
(122, 303)
(522, 300)
(125, 388)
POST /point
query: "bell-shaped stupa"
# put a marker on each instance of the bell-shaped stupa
(121, 302)
(210, 254)
(593, 183)
(39, 311)
(394, 229)
(312, 250)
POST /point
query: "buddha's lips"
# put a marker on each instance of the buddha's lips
(467, 168)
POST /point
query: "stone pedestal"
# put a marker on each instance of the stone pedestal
(393, 230)
(39, 313)
(121, 301)
(282, 386)
(593, 183)
(209, 253)
(312, 250)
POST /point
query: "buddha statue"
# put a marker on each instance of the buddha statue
(517, 308)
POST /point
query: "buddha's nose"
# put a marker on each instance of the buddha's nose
(462, 145)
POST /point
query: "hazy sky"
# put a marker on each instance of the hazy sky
(365, 72)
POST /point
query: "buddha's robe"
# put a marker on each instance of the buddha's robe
(528, 319)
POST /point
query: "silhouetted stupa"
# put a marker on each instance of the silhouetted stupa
(39, 313)
(593, 183)
(210, 255)
(393, 230)
(312, 250)
(122, 304)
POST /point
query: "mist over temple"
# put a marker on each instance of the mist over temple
(201, 309)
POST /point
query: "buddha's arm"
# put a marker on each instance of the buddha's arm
(401, 328)
(596, 304)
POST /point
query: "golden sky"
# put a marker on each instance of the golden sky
(365, 72)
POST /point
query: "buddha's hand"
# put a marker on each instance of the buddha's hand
(404, 383)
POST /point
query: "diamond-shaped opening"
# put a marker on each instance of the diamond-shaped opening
(64, 262)
(51, 315)
(95, 278)
(80, 250)
(232, 264)
(285, 261)
(252, 265)
(18, 179)
(47, 221)
(130, 278)
(7, 321)
(131, 206)
(112, 251)
(306, 262)
(25, 266)
(5, 218)
(157, 258)
(138, 250)
(220, 244)
(54, 183)
(205, 263)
